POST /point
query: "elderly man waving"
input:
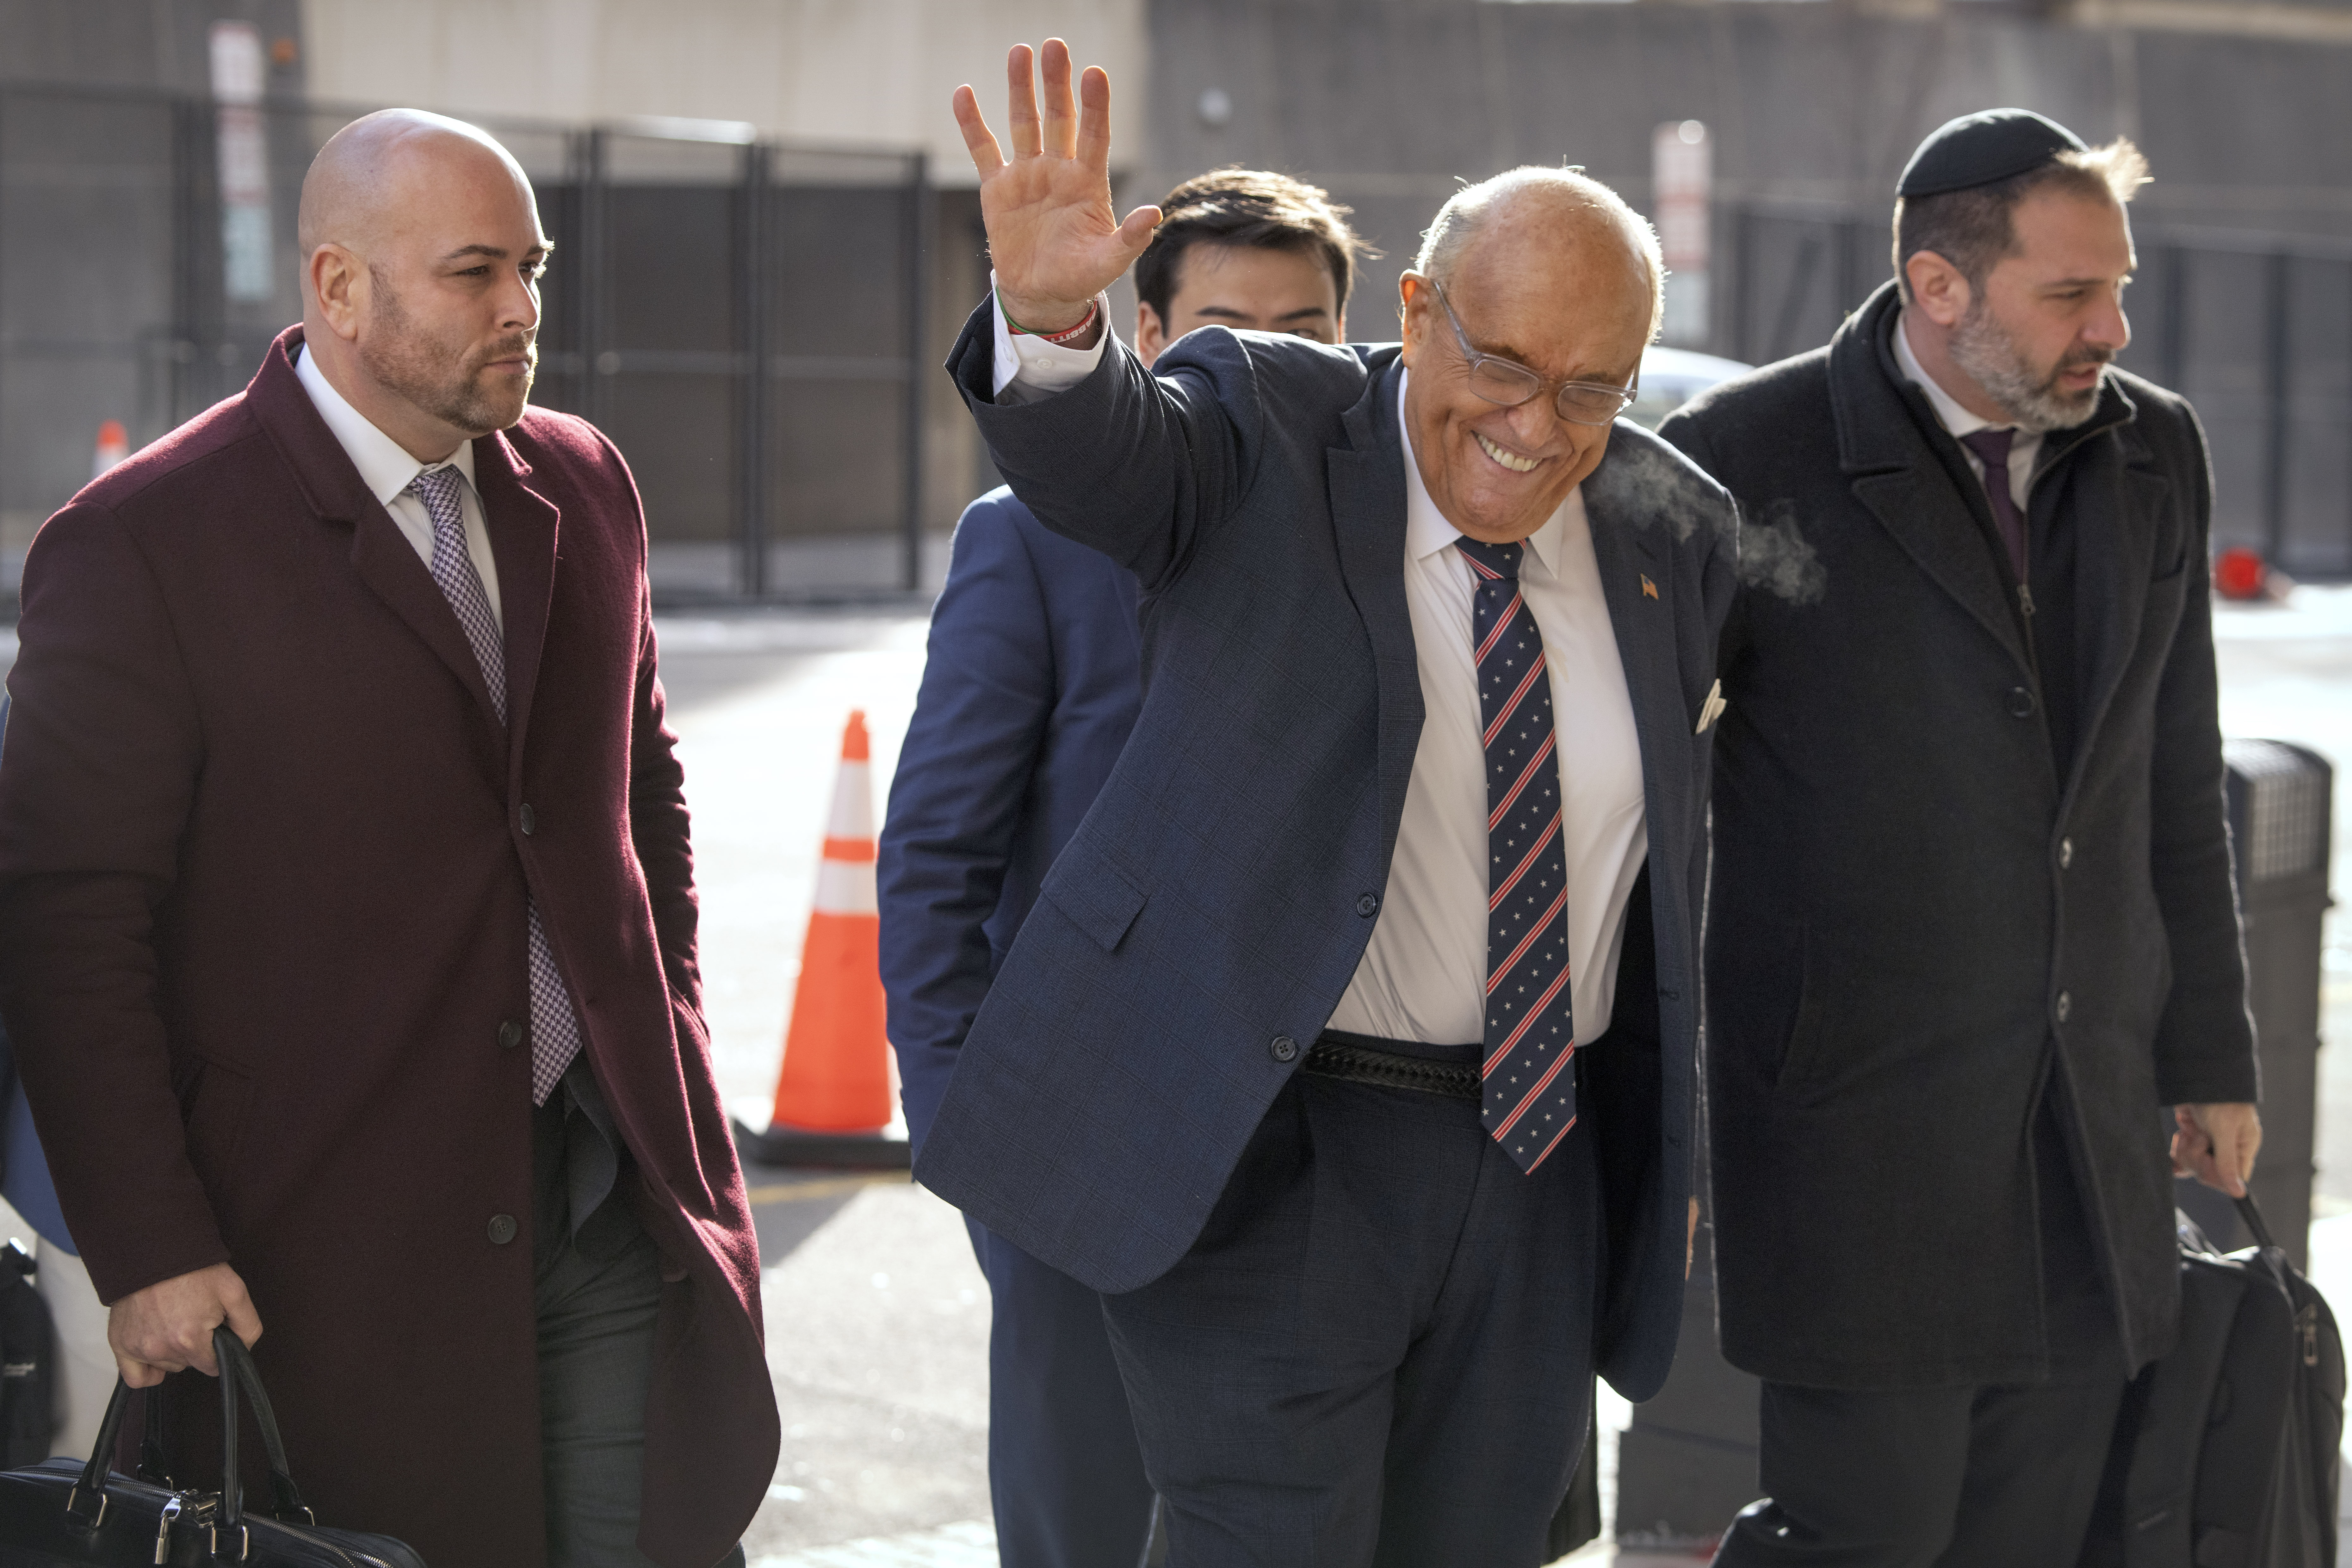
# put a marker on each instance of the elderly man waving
(1350, 1046)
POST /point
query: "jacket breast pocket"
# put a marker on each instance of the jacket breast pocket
(1088, 886)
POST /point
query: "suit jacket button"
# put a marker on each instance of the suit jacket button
(1283, 1048)
(510, 1035)
(502, 1228)
(2066, 854)
(2066, 1005)
(530, 818)
(2020, 706)
(1369, 905)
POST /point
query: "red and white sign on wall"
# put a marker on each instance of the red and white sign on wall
(1682, 169)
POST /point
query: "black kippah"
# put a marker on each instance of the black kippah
(1978, 149)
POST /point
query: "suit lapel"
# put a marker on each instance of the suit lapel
(1905, 486)
(522, 526)
(1367, 481)
(381, 554)
(1626, 550)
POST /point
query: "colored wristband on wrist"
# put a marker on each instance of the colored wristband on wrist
(1057, 338)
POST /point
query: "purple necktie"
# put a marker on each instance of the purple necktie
(1530, 1099)
(554, 1027)
(1991, 447)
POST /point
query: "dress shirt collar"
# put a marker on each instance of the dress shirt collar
(1955, 419)
(1426, 532)
(385, 468)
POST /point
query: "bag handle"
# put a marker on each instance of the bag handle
(2253, 1215)
(285, 1498)
(85, 1502)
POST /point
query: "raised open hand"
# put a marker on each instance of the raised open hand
(1052, 233)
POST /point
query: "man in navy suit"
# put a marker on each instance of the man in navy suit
(1349, 1048)
(1031, 688)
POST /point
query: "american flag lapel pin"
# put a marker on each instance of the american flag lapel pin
(1649, 589)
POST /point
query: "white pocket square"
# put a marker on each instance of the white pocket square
(1712, 709)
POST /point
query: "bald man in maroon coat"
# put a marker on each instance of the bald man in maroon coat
(347, 919)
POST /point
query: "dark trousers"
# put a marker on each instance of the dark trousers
(1951, 1478)
(1380, 1351)
(1064, 1473)
(598, 1285)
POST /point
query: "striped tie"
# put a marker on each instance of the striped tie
(554, 1027)
(1530, 1091)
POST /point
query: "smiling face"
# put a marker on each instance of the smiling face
(422, 285)
(1249, 287)
(1562, 291)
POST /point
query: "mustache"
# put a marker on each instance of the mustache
(523, 345)
(2082, 359)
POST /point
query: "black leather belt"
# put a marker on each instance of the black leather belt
(1333, 1058)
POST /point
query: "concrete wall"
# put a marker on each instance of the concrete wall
(871, 71)
(1389, 103)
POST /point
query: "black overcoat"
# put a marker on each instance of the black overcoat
(1913, 904)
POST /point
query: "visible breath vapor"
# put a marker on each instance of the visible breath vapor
(1774, 557)
(1647, 485)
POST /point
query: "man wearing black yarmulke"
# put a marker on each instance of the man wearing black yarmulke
(1972, 919)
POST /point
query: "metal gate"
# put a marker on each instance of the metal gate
(745, 318)
(2255, 330)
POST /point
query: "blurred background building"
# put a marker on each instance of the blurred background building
(767, 235)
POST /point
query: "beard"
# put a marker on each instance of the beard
(2032, 397)
(444, 379)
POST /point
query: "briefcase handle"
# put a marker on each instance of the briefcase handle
(2253, 1215)
(85, 1502)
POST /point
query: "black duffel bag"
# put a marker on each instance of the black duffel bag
(2225, 1452)
(59, 1512)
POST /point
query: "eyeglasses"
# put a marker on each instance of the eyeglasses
(1511, 383)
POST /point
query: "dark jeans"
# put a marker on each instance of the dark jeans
(1380, 1351)
(1063, 1475)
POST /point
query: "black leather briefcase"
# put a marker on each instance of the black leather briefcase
(59, 1512)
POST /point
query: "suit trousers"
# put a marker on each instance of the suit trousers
(597, 1289)
(1956, 1477)
(1063, 1475)
(1379, 1350)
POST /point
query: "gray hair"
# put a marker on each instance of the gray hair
(1468, 210)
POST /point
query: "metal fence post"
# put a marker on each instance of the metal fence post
(2278, 281)
(919, 253)
(596, 363)
(751, 340)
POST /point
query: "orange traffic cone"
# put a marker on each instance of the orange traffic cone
(832, 1093)
(113, 446)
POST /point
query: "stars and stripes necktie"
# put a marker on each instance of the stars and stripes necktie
(1530, 1099)
(554, 1027)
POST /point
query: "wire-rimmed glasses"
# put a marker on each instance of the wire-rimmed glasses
(1509, 384)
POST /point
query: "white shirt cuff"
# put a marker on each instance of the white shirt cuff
(1029, 368)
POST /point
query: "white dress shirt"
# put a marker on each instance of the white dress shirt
(386, 469)
(1423, 974)
(2023, 447)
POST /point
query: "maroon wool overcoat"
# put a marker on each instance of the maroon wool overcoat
(263, 876)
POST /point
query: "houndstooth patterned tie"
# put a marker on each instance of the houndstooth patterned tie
(554, 1027)
(1529, 1098)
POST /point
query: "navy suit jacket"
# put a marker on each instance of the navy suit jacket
(1031, 685)
(1198, 929)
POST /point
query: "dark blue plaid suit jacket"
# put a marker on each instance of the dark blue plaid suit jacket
(1208, 907)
